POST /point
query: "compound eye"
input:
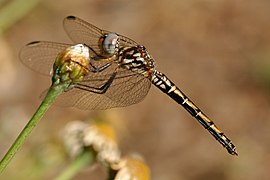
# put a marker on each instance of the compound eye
(110, 43)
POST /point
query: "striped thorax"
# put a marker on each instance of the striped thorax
(137, 59)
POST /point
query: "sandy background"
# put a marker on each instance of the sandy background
(217, 52)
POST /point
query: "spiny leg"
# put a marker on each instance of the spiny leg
(95, 68)
(99, 69)
(98, 90)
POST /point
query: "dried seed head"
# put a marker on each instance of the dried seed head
(71, 64)
(99, 137)
(133, 167)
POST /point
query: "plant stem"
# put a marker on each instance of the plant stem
(53, 92)
(87, 158)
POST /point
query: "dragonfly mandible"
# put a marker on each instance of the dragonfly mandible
(120, 73)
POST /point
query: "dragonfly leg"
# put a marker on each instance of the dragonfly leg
(98, 90)
(95, 69)
(99, 69)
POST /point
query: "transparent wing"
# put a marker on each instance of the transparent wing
(126, 89)
(40, 55)
(81, 31)
(129, 89)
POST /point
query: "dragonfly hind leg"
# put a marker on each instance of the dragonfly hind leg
(99, 90)
(99, 69)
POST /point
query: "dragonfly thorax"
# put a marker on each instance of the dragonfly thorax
(137, 59)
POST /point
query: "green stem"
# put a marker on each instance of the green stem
(86, 159)
(53, 92)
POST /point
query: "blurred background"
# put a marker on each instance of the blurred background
(217, 52)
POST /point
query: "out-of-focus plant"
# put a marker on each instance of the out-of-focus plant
(97, 142)
(13, 11)
(132, 167)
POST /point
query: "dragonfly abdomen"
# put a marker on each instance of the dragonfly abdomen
(168, 87)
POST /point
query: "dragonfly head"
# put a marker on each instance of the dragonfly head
(109, 44)
(71, 64)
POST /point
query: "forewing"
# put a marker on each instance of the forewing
(40, 55)
(81, 31)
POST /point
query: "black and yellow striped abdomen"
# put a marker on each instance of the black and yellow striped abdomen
(168, 87)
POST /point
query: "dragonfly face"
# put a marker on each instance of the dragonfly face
(137, 59)
(110, 43)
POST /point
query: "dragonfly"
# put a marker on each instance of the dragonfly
(120, 73)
